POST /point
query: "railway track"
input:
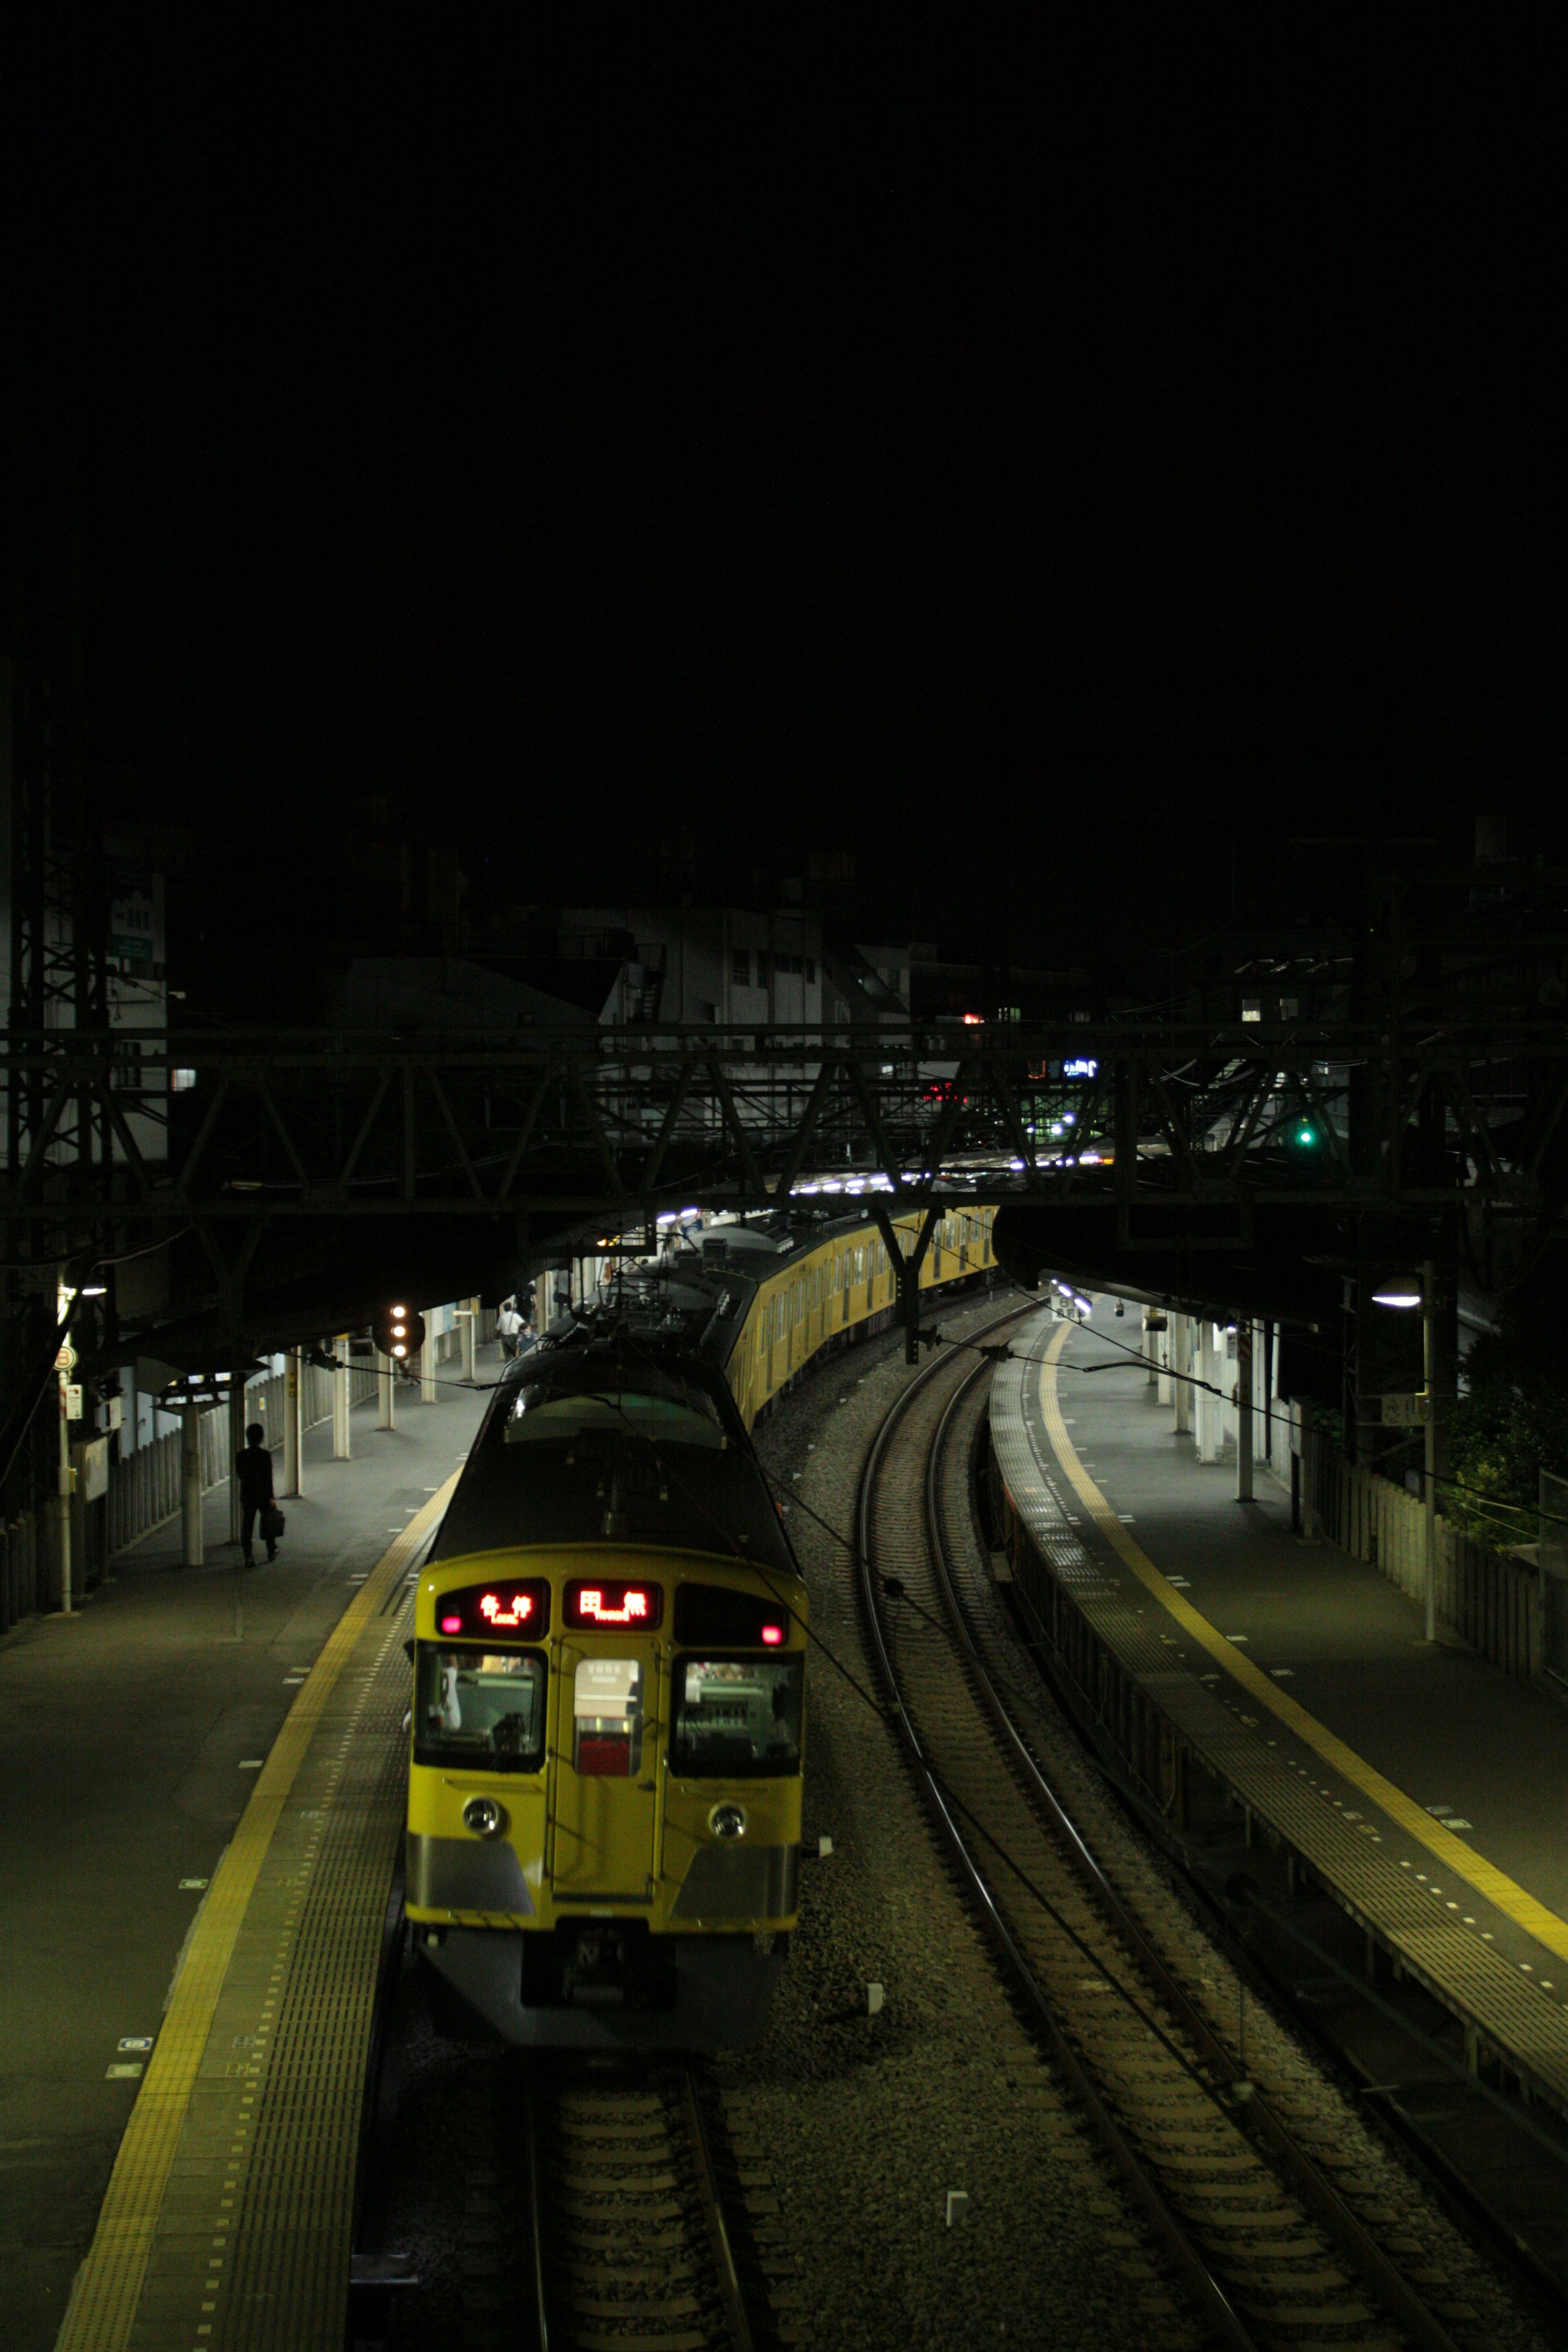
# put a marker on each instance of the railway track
(1269, 2250)
(637, 2237)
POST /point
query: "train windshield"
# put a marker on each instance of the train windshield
(479, 1708)
(736, 1715)
(656, 1404)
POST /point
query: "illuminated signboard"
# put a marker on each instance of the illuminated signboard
(1082, 1065)
(608, 1601)
(511, 1610)
(719, 1614)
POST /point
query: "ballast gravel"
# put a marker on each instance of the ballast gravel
(871, 2122)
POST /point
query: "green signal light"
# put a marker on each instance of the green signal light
(1306, 1135)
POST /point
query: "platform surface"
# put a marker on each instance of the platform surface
(1424, 1783)
(136, 1738)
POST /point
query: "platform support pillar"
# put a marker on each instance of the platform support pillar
(341, 1397)
(385, 1376)
(63, 1491)
(427, 1364)
(236, 1448)
(1181, 1362)
(191, 1548)
(293, 1414)
(1243, 1411)
(1208, 1420)
(468, 1317)
(1162, 1359)
(1429, 1454)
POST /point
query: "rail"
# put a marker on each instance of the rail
(1225, 2094)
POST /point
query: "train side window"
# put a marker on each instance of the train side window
(736, 1718)
(606, 1718)
(478, 1708)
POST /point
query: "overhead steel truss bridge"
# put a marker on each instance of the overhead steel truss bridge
(112, 1134)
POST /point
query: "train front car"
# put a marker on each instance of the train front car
(603, 1812)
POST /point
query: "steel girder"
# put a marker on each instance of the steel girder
(603, 1125)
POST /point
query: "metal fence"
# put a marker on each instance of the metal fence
(1492, 1600)
(21, 1568)
(143, 1488)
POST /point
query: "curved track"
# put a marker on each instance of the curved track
(1266, 2246)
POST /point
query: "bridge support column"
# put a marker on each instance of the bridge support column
(907, 1270)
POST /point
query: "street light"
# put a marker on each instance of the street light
(1408, 1291)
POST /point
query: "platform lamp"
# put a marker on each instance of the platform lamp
(1411, 1291)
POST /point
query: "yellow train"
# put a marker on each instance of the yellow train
(608, 1720)
(841, 1286)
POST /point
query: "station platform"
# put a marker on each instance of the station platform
(204, 1801)
(1421, 1784)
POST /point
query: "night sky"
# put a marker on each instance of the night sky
(659, 450)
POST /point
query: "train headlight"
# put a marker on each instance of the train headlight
(728, 1821)
(484, 1817)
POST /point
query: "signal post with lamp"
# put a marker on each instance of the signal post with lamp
(397, 1334)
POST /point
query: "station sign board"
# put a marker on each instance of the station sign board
(1403, 1409)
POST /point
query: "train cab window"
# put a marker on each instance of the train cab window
(661, 1406)
(736, 1717)
(606, 1718)
(480, 1708)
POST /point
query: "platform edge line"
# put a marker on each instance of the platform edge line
(106, 2289)
(1514, 1900)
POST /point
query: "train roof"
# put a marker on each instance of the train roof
(619, 1431)
(700, 1296)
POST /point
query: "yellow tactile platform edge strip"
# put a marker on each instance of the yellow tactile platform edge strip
(1508, 1895)
(104, 2296)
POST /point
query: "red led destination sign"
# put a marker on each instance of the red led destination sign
(604, 1601)
(518, 1612)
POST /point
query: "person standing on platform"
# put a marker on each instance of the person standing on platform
(509, 1324)
(254, 1469)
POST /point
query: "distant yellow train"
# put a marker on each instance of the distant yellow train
(834, 1286)
(610, 1706)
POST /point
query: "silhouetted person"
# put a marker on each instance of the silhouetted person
(255, 1469)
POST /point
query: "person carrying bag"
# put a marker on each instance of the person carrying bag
(254, 1471)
